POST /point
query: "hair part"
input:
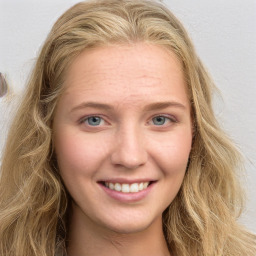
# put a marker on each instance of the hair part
(202, 219)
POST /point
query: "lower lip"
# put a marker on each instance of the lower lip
(128, 197)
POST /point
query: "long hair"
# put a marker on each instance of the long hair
(202, 219)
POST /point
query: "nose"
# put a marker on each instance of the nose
(129, 149)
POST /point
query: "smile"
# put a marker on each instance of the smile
(128, 191)
(127, 188)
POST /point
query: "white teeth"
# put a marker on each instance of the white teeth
(118, 187)
(127, 188)
(111, 186)
(145, 185)
(134, 187)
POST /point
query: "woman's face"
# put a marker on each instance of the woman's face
(122, 134)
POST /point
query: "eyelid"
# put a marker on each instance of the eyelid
(84, 118)
(171, 117)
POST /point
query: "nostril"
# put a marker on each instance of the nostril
(129, 157)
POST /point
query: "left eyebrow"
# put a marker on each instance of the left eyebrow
(162, 105)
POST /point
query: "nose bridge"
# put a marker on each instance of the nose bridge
(129, 151)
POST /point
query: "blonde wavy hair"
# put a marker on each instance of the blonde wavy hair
(202, 219)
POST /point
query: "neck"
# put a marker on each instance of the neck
(88, 239)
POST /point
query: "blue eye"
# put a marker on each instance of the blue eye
(93, 120)
(160, 120)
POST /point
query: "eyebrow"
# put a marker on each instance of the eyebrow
(92, 105)
(162, 105)
(150, 107)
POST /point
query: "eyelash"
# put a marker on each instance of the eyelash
(85, 119)
(167, 117)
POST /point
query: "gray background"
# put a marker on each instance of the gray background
(224, 34)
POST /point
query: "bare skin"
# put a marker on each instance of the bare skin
(105, 242)
(122, 136)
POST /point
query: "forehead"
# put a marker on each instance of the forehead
(126, 72)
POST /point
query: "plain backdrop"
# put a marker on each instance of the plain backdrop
(223, 32)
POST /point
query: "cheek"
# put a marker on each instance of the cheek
(172, 153)
(77, 154)
(77, 160)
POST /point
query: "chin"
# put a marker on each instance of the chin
(130, 228)
(133, 225)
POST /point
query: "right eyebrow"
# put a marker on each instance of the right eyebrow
(92, 105)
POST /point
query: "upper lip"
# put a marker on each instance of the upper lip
(126, 181)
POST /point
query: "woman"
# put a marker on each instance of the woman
(115, 149)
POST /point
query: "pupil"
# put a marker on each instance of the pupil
(94, 120)
(159, 120)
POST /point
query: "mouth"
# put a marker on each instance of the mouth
(127, 188)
